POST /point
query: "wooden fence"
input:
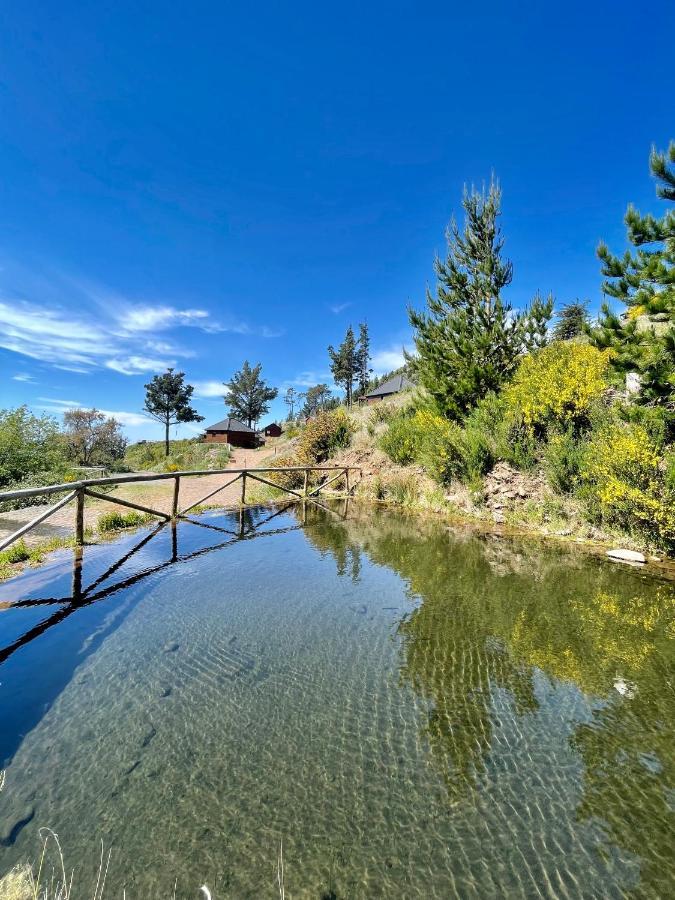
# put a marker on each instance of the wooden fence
(78, 490)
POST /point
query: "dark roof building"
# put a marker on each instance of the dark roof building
(388, 388)
(231, 431)
(272, 430)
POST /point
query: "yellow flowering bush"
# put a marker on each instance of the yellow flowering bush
(624, 479)
(557, 386)
(328, 431)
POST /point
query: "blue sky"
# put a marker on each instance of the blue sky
(194, 184)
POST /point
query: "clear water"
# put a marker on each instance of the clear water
(415, 712)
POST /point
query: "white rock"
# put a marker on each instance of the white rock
(627, 555)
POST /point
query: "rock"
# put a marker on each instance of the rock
(626, 555)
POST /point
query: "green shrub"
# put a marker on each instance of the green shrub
(402, 489)
(626, 483)
(15, 553)
(29, 445)
(557, 386)
(117, 521)
(440, 446)
(563, 458)
(292, 480)
(400, 441)
(383, 412)
(327, 432)
(658, 422)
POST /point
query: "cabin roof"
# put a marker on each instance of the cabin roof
(392, 385)
(230, 424)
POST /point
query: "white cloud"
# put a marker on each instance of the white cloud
(137, 365)
(386, 360)
(209, 389)
(308, 379)
(122, 337)
(22, 376)
(128, 419)
(157, 318)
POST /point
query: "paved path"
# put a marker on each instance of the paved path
(156, 495)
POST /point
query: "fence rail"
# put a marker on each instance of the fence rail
(78, 490)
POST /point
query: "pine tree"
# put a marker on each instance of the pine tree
(344, 364)
(167, 399)
(363, 359)
(572, 321)
(643, 338)
(469, 339)
(290, 399)
(248, 395)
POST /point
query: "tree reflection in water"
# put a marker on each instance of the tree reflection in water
(495, 614)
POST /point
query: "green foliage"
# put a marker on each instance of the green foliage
(167, 399)
(184, 456)
(323, 435)
(29, 445)
(382, 412)
(469, 340)
(248, 395)
(117, 521)
(316, 398)
(627, 484)
(644, 339)
(292, 480)
(350, 363)
(92, 438)
(400, 440)
(16, 552)
(558, 386)
(563, 458)
(572, 321)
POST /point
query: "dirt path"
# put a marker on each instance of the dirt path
(156, 495)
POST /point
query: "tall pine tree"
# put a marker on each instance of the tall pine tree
(363, 359)
(344, 364)
(469, 339)
(572, 321)
(167, 399)
(643, 338)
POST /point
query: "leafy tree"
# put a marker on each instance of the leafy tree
(316, 398)
(572, 321)
(469, 340)
(344, 364)
(91, 437)
(290, 399)
(363, 359)
(248, 396)
(28, 444)
(643, 339)
(167, 399)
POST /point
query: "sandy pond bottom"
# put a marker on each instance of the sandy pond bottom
(414, 712)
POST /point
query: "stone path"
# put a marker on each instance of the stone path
(156, 495)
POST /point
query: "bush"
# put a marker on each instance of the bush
(15, 553)
(35, 480)
(626, 483)
(558, 386)
(28, 444)
(400, 441)
(563, 458)
(292, 480)
(440, 446)
(383, 412)
(116, 521)
(327, 432)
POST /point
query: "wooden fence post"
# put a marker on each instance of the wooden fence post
(79, 518)
(306, 482)
(176, 489)
(243, 489)
(347, 480)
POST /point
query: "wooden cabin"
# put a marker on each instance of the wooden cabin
(233, 432)
(387, 389)
(272, 430)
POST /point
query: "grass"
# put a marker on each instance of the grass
(19, 553)
(117, 521)
(184, 456)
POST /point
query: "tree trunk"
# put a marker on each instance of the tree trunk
(166, 440)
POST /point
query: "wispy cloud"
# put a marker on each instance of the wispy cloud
(308, 379)
(23, 376)
(337, 308)
(128, 338)
(124, 417)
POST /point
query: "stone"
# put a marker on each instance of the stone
(627, 555)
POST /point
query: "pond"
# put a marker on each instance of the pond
(413, 711)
